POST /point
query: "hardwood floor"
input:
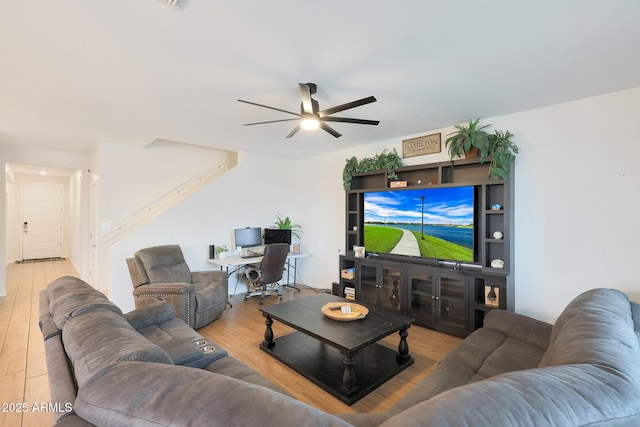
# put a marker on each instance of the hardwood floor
(240, 330)
(23, 368)
(23, 371)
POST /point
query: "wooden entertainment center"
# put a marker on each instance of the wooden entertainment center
(452, 297)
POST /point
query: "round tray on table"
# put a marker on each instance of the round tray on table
(357, 311)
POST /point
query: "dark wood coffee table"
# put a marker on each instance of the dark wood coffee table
(343, 358)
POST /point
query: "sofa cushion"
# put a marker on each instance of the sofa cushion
(232, 367)
(70, 296)
(100, 338)
(483, 354)
(595, 328)
(569, 395)
(178, 340)
(179, 396)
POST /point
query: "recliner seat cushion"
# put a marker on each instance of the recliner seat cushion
(100, 338)
(209, 296)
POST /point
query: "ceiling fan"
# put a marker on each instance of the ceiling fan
(311, 117)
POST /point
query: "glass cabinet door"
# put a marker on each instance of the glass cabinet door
(391, 295)
(368, 279)
(421, 285)
(452, 302)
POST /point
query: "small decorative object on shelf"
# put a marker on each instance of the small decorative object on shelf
(358, 251)
(497, 263)
(492, 296)
(350, 293)
(497, 235)
(496, 207)
(348, 273)
(397, 184)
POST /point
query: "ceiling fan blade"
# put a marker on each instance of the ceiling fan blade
(307, 103)
(329, 129)
(269, 121)
(348, 120)
(347, 106)
(293, 132)
(271, 108)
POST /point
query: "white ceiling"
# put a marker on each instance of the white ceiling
(74, 73)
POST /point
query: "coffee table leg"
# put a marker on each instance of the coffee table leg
(349, 385)
(268, 333)
(403, 348)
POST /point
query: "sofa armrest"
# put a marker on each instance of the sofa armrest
(151, 314)
(520, 327)
(160, 289)
(568, 395)
(209, 276)
(181, 295)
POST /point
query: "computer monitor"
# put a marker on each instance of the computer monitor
(248, 237)
(273, 235)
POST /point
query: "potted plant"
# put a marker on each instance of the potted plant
(497, 146)
(286, 224)
(504, 154)
(388, 161)
(465, 138)
(221, 251)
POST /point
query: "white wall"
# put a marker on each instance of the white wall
(249, 195)
(576, 200)
(129, 180)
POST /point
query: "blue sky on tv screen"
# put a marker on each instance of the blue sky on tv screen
(449, 205)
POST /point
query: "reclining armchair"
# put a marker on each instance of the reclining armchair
(160, 272)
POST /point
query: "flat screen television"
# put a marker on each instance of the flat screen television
(248, 237)
(275, 235)
(433, 223)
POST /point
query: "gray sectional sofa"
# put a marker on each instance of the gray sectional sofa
(147, 367)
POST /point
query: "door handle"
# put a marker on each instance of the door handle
(25, 227)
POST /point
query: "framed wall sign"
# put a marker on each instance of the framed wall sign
(427, 144)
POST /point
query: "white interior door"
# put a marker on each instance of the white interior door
(41, 221)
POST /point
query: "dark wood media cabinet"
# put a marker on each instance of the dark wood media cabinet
(447, 296)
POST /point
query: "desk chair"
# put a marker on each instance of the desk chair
(269, 272)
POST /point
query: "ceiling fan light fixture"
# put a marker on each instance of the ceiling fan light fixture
(310, 123)
(311, 117)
